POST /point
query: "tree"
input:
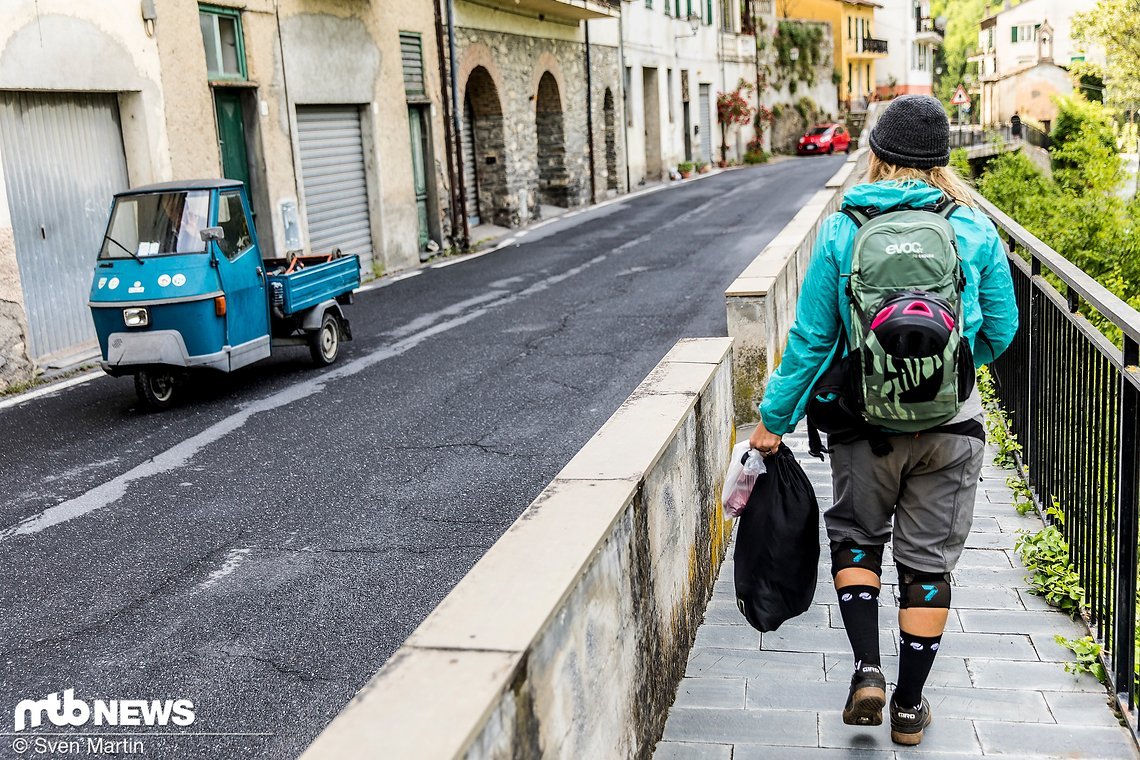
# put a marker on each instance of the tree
(1115, 26)
(960, 39)
(733, 108)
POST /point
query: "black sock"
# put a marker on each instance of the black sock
(859, 606)
(916, 656)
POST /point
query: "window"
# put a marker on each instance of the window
(726, 13)
(668, 8)
(708, 12)
(649, 4)
(669, 92)
(849, 74)
(850, 34)
(411, 53)
(1023, 32)
(157, 224)
(222, 37)
(231, 218)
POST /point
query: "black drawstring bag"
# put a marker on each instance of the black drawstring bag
(777, 545)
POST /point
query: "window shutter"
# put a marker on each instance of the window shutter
(1013, 34)
(411, 52)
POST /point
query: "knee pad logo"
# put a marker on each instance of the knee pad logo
(847, 597)
(865, 596)
(931, 592)
(858, 555)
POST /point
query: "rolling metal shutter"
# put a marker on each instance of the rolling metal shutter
(470, 178)
(333, 178)
(63, 160)
(706, 125)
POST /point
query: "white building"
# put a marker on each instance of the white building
(912, 37)
(678, 55)
(1023, 57)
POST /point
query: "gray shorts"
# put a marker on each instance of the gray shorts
(926, 484)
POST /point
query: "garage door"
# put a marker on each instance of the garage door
(333, 178)
(63, 160)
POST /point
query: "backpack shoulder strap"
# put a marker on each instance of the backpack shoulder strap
(947, 208)
(858, 215)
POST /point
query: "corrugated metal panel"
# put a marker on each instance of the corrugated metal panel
(706, 125)
(411, 53)
(333, 176)
(470, 178)
(63, 160)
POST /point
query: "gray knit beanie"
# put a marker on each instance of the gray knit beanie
(913, 131)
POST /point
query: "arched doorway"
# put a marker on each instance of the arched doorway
(484, 154)
(553, 181)
(611, 141)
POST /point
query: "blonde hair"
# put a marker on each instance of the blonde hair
(942, 178)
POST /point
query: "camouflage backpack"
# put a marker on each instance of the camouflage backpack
(911, 367)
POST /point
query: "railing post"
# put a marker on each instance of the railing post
(1127, 499)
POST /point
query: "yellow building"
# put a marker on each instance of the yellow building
(856, 47)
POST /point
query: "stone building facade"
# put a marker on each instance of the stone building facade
(528, 106)
(328, 110)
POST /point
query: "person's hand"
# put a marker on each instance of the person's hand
(763, 441)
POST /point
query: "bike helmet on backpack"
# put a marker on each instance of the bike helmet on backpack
(913, 324)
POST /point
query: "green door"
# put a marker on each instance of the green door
(420, 153)
(231, 136)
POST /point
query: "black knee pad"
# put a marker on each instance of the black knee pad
(847, 554)
(919, 589)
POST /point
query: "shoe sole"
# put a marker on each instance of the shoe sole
(866, 707)
(911, 739)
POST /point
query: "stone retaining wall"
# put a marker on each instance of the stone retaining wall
(569, 637)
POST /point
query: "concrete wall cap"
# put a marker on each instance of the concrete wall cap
(699, 350)
(426, 703)
(744, 287)
(841, 176)
(539, 558)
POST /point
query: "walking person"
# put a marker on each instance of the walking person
(913, 455)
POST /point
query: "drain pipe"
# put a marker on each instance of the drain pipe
(590, 117)
(624, 95)
(448, 132)
(457, 125)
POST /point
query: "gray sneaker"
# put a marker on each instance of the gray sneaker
(907, 723)
(866, 698)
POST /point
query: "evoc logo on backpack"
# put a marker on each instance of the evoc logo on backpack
(896, 248)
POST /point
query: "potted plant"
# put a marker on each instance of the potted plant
(705, 168)
(686, 169)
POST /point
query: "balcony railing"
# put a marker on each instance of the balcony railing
(870, 45)
(1073, 399)
(926, 25)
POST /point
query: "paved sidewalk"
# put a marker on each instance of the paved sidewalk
(998, 686)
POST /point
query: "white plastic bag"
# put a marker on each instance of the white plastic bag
(745, 467)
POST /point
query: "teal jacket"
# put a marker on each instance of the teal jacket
(824, 308)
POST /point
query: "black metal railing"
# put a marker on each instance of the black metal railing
(965, 137)
(1035, 136)
(872, 45)
(926, 25)
(1073, 400)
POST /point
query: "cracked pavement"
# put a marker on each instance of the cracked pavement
(270, 572)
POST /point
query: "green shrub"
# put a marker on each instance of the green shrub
(755, 157)
(1046, 556)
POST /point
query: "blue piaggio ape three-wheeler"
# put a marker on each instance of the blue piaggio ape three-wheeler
(181, 285)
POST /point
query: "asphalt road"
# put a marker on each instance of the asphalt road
(263, 548)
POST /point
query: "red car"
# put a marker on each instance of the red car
(824, 138)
